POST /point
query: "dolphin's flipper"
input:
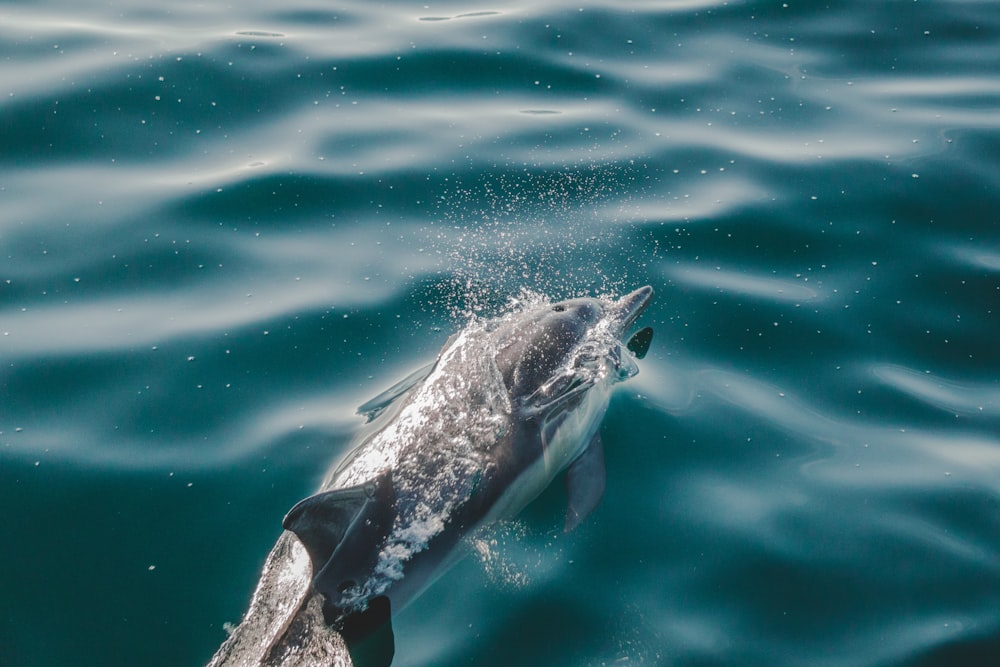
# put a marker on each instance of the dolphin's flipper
(373, 408)
(368, 634)
(343, 530)
(638, 344)
(585, 483)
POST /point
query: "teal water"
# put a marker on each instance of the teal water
(223, 227)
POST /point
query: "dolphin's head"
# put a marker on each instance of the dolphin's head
(553, 351)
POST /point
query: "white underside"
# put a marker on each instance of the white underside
(558, 452)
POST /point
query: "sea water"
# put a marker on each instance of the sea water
(224, 226)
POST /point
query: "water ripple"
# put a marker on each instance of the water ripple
(224, 227)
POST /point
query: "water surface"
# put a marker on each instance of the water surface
(223, 227)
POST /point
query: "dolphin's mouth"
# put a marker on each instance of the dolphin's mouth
(627, 309)
(623, 315)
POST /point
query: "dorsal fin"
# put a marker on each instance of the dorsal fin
(322, 521)
(638, 344)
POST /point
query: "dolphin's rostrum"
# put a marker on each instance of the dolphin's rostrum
(473, 438)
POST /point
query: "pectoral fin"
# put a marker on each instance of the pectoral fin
(373, 408)
(585, 483)
(342, 530)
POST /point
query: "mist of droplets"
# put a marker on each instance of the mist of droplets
(541, 231)
(511, 556)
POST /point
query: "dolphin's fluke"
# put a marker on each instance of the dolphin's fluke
(585, 483)
(639, 343)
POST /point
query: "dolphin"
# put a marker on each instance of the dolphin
(509, 404)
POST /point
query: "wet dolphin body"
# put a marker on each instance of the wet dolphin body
(508, 405)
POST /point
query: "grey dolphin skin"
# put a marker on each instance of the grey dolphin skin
(508, 405)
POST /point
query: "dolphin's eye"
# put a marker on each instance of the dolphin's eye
(559, 308)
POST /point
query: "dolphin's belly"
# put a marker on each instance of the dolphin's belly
(568, 434)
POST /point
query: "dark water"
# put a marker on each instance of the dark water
(222, 227)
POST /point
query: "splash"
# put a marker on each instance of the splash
(544, 229)
(490, 547)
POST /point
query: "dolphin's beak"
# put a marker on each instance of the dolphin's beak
(627, 309)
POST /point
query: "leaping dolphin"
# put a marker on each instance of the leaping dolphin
(508, 405)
